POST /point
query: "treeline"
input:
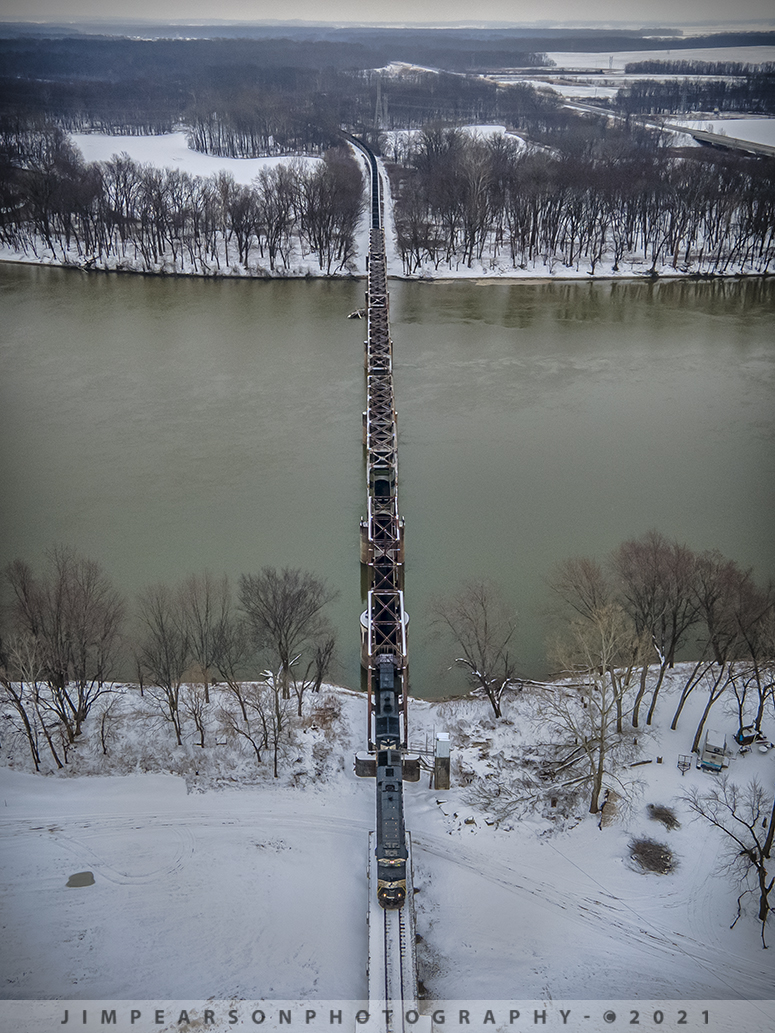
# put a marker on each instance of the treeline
(672, 599)
(67, 631)
(294, 90)
(753, 94)
(685, 67)
(121, 215)
(463, 198)
(620, 627)
(210, 657)
(246, 123)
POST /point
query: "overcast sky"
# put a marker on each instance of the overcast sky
(639, 12)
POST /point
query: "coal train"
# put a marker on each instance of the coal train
(382, 551)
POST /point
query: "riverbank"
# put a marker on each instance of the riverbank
(292, 255)
(477, 274)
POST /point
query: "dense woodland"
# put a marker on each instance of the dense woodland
(752, 92)
(581, 191)
(296, 91)
(247, 96)
(608, 197)
(461, 199)
(124, 215)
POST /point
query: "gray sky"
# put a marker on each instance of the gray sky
(639, 12)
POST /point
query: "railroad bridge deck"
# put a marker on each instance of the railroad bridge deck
(392, 963)
(382, 530)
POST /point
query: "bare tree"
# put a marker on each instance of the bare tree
(581, 585)
(193, 703)
(718, 585)
(717, 680)
(164, 650)
(262, 719)
(600, 653)
(233, 651)
(754, 614)
(110, 709)
(655, 581)
(285, 612)
(316, 669)
(206, 612)
(714, 578)
(75, 616)
(744, 816)
(482, 626)
(20, 674)
(739, 635)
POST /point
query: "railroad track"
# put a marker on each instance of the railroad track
(395, 953)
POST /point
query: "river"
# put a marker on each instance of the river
(167, 426)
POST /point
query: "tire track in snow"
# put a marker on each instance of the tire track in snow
(184, 845)
(617, 920)
(73, 836)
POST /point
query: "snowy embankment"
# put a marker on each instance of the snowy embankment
(753, 130)
(214, 880)
(171, 152)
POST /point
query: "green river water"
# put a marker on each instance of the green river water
(168, 426)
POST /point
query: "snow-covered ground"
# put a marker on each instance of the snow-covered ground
(616, 60)
(213, 881)
(171, 151)
(757, 130)
(586, 90)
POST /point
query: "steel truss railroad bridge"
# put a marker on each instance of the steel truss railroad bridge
(392, 963)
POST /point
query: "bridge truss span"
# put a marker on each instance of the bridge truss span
(384, 654)
(384, 625)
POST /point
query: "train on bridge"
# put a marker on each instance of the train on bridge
(384, 624)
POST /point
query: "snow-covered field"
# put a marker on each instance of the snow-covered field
(171, 151)
(616, 60)
(585, 90)
(757, 130)
(213, 881)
